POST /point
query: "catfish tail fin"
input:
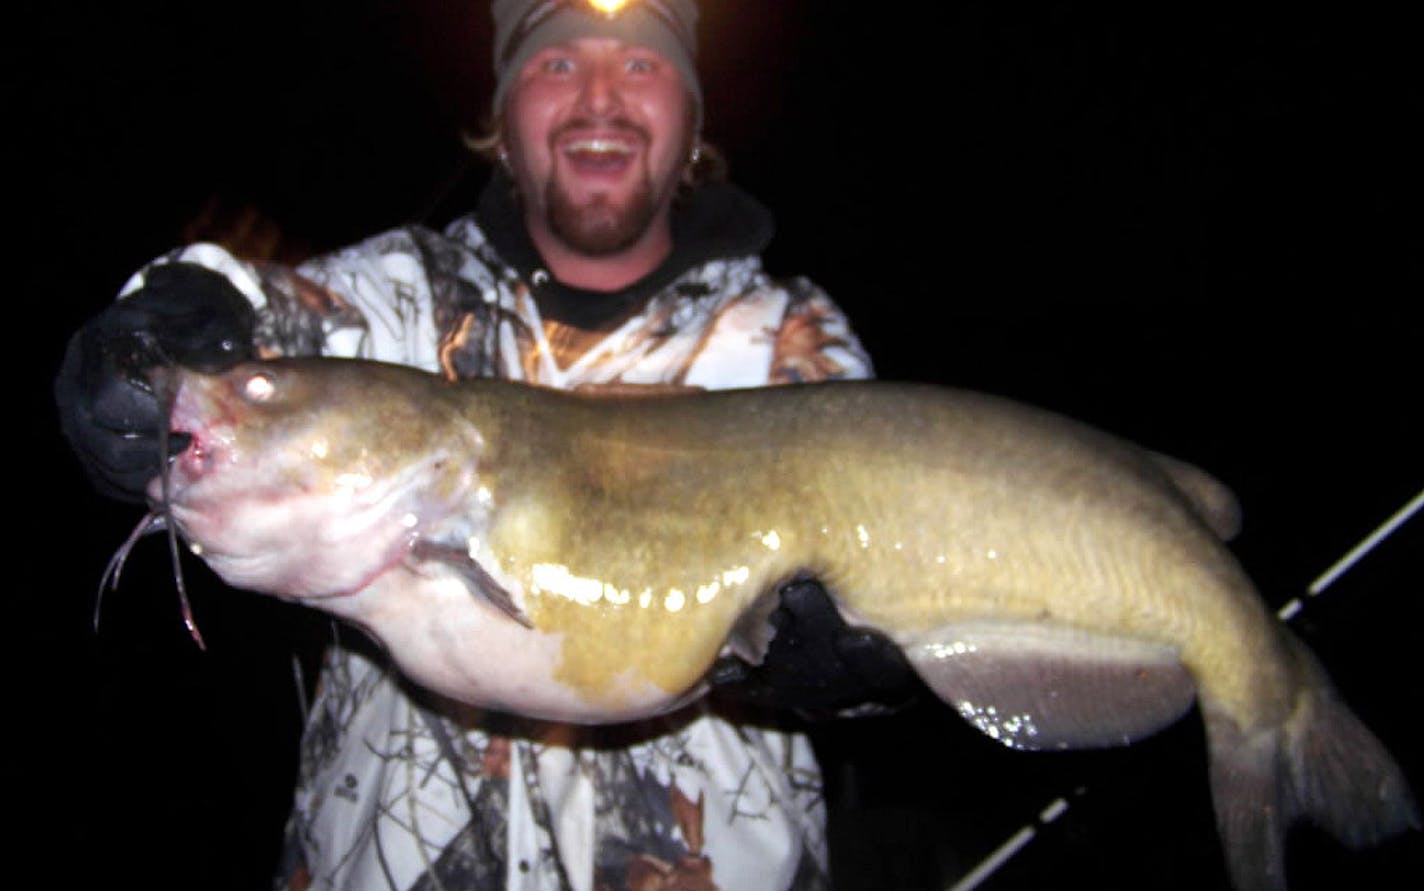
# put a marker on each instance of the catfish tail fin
(1342, 778)
(1321, 764)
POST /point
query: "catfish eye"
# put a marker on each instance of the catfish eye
(260, 387)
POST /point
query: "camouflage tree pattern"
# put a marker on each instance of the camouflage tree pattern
(398, 790)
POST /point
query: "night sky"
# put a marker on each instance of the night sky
(1199, 228)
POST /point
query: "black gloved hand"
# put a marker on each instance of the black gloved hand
(817, 665)
(183, 315)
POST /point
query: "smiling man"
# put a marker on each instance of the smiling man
(597, 132)
(596, 259)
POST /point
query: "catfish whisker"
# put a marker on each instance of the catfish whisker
(153, 521)
(166, 393)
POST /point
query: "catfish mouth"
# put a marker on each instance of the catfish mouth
(194, 462)
(192, 448)
(189, 462)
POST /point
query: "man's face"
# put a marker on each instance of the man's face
(597, 132)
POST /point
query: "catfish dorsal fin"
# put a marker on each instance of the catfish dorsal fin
(473, 573)
(1213, 501)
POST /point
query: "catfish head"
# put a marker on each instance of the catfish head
(303, 479)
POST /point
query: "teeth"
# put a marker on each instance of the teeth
(597, 145)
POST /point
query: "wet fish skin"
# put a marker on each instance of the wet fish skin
(1058, 586)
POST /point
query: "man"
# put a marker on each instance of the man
(582, 267)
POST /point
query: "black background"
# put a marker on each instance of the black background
(1197, 225)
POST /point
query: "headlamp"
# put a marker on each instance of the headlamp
(608, 9)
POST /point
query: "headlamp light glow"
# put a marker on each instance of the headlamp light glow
(609, 9)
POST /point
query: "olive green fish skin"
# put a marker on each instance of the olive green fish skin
(852, 479)
(1059, 586)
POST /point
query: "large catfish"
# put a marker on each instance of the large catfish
(587, 559)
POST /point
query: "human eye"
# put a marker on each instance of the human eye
(640, 65)
(557, 65)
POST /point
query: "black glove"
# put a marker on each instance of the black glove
(183, 315)
(817, 665)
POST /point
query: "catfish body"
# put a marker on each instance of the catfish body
(586, 559)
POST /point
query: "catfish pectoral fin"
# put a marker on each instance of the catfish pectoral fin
(1032, 685)
(475, 577)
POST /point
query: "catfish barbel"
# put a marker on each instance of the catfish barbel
(586, 559)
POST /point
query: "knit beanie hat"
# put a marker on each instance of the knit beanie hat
(523, 27)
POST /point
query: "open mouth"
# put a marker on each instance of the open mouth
(597, 155)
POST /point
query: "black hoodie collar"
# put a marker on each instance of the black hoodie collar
(718, 221)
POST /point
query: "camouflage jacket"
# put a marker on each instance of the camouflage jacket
(399, 791)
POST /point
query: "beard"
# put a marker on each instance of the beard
(600, 227)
